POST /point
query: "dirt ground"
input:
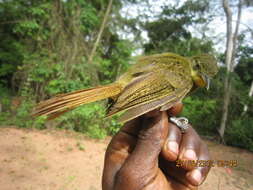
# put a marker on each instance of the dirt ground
(64, 160)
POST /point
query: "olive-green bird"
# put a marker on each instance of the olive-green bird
(155, 81)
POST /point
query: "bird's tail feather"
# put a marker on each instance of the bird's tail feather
(62, 103)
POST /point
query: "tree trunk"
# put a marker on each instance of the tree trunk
(229, 52)
(98, 39)
(229, 61)
(235, 36)
(245, 109)
(226, 101)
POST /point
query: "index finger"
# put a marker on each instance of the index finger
(176, 109)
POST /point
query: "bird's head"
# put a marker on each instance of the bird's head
(204, 67)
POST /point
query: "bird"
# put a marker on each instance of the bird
(154, 82)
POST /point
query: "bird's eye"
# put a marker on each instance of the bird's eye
(196, 67)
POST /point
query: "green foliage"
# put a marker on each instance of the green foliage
(27, 28)
(89, 17)
(22, 116)
(240, 133)
(115, 59)
(113, 126)
(39, 122)
(89, 119)
(170, 32)
(44, 51)
(245, 66)
(201, 113)
(4, 96)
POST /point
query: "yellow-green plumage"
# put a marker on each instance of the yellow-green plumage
(156, 81)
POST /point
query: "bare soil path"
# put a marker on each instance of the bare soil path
(64, 160)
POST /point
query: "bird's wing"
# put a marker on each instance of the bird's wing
(149, 91)
(169, 101)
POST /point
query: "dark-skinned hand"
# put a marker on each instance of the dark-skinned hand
(143, 155)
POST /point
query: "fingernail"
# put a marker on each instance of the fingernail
(197, 176)
(190, 154)
(173, 146)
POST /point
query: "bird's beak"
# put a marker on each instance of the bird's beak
(207, 81)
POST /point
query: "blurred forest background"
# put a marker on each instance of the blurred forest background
(49, 47)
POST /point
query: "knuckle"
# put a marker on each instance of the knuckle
(174, 132)
(124, 172)
(153, 135)
(126, 175)
(137, 179)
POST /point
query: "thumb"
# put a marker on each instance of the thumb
(151, 138)
(143, 161)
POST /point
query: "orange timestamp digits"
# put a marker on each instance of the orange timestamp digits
(227, 163)
(206, 163)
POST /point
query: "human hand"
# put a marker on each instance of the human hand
(143, 155)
